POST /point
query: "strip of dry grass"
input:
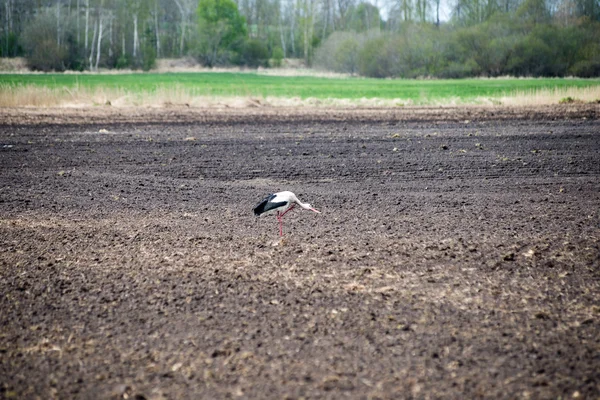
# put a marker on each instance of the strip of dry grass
(177, 94)
(553, 96)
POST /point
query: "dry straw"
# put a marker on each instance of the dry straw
(180, 95)
(552, 96)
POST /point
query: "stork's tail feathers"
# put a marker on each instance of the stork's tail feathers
(260, 207)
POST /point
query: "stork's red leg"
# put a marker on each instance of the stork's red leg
(289, 209)
(280, 219)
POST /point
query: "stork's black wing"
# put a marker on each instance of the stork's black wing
(267, 205)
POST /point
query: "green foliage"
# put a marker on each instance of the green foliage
(538, 54)
(9, 46)
(522, 37)
(149, 57)
(254, 53)
(346, 56)
(47, 56)
(456, 70)
(376, 58)
(586, 68)
(419, 51)
(567, 100)
(362, 18)
(534, 12)
(496, 47)
(340, 52)
(277, 57)
(122, 62)
(587, 62)
(488, 45)
(42, 48)
(221, 30)
(146, 57)
(148, 50)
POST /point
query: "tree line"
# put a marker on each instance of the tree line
(380, 38)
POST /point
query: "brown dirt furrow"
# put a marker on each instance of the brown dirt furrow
(457, 254)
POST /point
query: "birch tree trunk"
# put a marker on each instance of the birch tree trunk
(78, 23)
(156, 28)
(58, 23)
(182, 42)
(281, 32)
(135, 35)
(87, 22)
(305, 31)
(91, 59)
(9, 19)
(326, 20)
(8, 22)
(292, 29)
(308, 29)
(110, 35)
(185, 9)
(99, 47)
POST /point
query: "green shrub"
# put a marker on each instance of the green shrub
(567, 100)
(277, 57)
(47, 56)
(221, 32)
(376, 58)
(122, 62)
(10, 46)
(585, 69)
(456, 70)
(42, 48)
(148, 56)
(254, 54)
(346, 56)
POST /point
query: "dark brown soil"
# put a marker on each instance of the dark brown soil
(457, 254)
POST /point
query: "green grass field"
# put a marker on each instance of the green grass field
(225, 84)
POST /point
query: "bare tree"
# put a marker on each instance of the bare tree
(156, 30)
(293, 15)
(93, 44)
(100, 21)
(406, 10)
(281, 32)
(9, 19)
(9, 22)
(343, 7)
(58, 21)
(87, 22)
(308, 11)
(421, 10)
(186, 9)
(327, 5)
(136, 39)
(110, 35)
(78, 22)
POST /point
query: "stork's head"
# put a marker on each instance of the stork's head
(309, 207)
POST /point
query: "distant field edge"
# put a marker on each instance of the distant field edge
(236, 89)
(106, 116)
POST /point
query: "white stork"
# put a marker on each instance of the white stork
(282, 203)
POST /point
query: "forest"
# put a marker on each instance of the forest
(381, 38)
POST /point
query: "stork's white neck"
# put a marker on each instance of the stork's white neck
(306, 206)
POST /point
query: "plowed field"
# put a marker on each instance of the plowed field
(457, 254)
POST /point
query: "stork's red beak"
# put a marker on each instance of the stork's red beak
(315, 210)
